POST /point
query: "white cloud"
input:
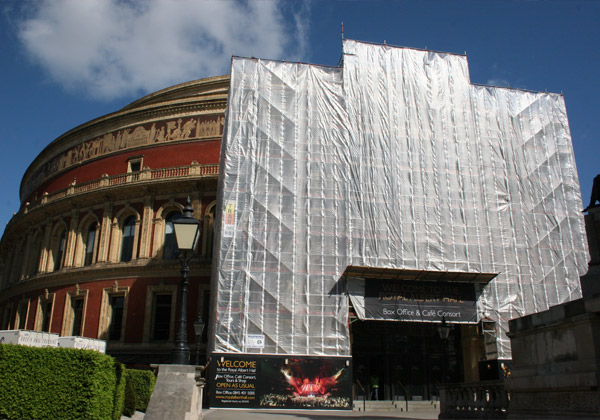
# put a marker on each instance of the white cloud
(498, 79)
(114, 48)
(497, 82)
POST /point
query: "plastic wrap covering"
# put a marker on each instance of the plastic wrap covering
(283, 225)
(402, 164)
(456, 177)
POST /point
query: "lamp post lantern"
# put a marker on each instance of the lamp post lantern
(444, 329)
(187, 231)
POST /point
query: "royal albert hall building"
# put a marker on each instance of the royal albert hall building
(373, 225)
(91, 251)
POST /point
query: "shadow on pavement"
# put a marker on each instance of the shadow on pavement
(234, 414)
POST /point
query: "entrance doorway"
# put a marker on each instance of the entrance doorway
(396, 360)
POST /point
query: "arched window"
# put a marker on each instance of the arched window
(127, 239)
(90, 243)
(60, 251)
(170, 243)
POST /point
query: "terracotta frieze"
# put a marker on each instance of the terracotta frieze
(129, 138)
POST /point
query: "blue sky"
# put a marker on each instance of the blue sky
(66, 62)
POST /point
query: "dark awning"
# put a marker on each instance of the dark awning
(421, 275)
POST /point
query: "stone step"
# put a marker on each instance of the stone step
(398, 406)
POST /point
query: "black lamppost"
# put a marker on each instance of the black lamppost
(444, 331)
(187, 231)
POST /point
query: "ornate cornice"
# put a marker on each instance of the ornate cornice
(140, 268)
(209, 86)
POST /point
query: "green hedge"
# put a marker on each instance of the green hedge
(59, 384)
(142, 382)
(130, 400)
(119, 392)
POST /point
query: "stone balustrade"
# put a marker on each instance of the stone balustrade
(478, 400)
(147, 174)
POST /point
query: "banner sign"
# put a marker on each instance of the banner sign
(229, 220)
(424, 301)
(298, 382)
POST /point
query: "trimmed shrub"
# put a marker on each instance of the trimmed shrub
(130, 399)
(143, 382)
(119, 394)
(58, 384)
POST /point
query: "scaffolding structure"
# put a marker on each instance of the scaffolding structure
(394, 160)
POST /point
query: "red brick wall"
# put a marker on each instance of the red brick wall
(163, 156)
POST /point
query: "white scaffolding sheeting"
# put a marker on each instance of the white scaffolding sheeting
(394, 161)
(284, 161)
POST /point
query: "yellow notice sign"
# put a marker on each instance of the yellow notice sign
(229, 225)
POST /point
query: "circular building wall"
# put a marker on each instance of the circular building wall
(91, 250)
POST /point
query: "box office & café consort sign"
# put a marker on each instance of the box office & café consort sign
(421, 301)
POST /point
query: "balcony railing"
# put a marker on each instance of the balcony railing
(478, 400)
(194, 170)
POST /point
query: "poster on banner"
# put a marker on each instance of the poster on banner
(424, 301)
(248, 381)
(229, 220)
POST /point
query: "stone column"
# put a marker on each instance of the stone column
(71, 239)
(159, 233)
(43, 263)
(146, 231)
(135, 253)
(114, 247)
(105, 232)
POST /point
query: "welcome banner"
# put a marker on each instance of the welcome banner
(253, 381)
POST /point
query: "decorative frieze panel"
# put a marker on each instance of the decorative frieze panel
(129, 138)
